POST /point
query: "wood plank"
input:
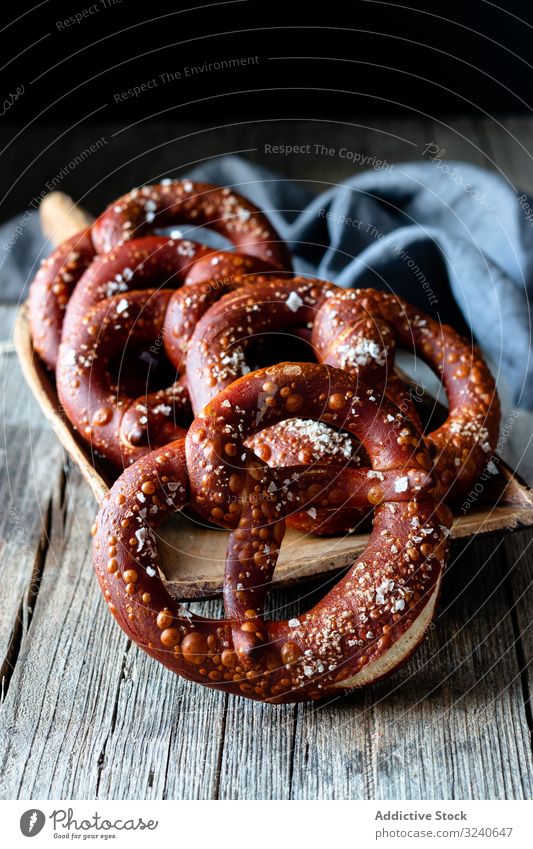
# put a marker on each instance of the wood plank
(258, 750)
(445, 726)
(518, 553)
(88, 715)
(508, 149)
(30, 463)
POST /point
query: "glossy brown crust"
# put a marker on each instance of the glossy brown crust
(51, 289)
(230, 328)
(464, 443)
(311, 443)
(190, 303)
(220, 351)
(155, 262)
(367, 616)
(116, 425)
(178, 201)
(223, 337)
(151, 264)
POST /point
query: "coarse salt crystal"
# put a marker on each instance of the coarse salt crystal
(141, 538)
(402, 484)
(294, 302)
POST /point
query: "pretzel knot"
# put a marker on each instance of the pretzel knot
(365, 627)
(358, 331)
(119, 244)
(462, 445)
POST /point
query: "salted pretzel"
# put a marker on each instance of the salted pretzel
(138, 214)
(119, 425)
(356, 330)
(231, 327)
(220, 351)
(51, 289)
(463, 444)
(363, 629)
(155, 262)
(174, 201)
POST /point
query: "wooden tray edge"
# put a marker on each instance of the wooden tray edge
(37, 379)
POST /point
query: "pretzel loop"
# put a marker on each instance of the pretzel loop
(371, 621)
(106, 253)
(462, 444)
(50, 292)
(176, 201)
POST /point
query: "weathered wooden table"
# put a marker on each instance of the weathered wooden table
(85, 714)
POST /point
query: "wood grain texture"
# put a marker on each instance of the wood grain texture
(30, 463)
(87, 715)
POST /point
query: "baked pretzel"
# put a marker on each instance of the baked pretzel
(119, 425)
(51, 289)
(175, 201)
(220, 350)
(231, 327)
(464, 442)
(363, 629)
(138, 214)
(154, 262)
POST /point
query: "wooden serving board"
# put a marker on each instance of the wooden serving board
(193, 555)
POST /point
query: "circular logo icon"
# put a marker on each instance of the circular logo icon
(32, 822)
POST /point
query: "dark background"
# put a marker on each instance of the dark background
(420, 57)
(349, 61)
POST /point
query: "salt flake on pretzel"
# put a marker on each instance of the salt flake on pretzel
(171, 201)
(464, 442)
(363, 629)
(51, 289)
(117, 425)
